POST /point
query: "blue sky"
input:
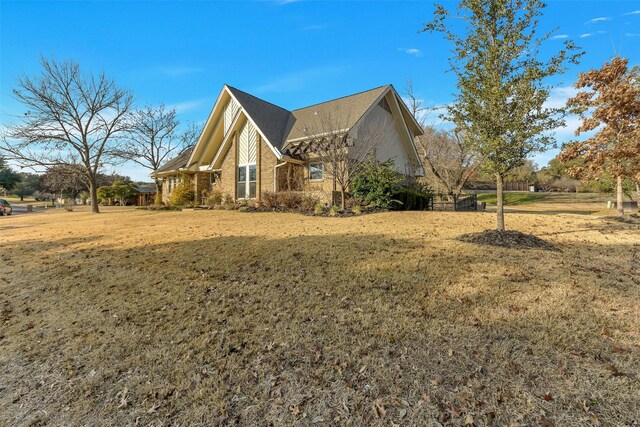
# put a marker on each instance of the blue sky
(291, 53)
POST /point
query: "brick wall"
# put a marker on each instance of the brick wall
(227, 184)
(266, 163)
(201, 184)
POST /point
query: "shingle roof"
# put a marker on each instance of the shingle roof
(180, 161)
(340, 113)
(274, 122)
(280, 126)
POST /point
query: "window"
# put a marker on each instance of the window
(246, 188)
(316, 171)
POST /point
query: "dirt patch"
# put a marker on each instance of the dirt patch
(507, 239)
(627, 219)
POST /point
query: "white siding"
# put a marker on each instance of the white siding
(247, 145)
(378, 131)
(230, 111)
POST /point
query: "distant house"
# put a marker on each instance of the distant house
(249, 146)
(146, 193)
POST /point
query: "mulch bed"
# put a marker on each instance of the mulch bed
(507, 239)
(346, 213)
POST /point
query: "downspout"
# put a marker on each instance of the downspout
(275, 175)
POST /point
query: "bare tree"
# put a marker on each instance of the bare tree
(152, 139)
(448, 158)
(344, 151)
(72, 118)
(415, 104)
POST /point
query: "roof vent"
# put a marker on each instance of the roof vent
(315, 113)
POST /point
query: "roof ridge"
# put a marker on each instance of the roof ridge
(341, 97)
(263, 100)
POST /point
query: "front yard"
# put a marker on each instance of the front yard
(224, 317)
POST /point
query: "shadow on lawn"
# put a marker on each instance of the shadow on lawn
(237, 330)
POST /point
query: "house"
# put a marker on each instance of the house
(146, 193)
(249, 146)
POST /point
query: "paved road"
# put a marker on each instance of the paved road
(22, 209)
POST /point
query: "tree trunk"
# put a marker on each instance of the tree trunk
(638, 193)
(22, 197)
(158, 198)
(343, 203)
(619, 207)
(500, 202)
(93, 195)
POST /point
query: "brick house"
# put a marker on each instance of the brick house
(249, 146)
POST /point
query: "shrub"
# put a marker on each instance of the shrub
(270, 199)
(308, 202)
(356, 209)
(318, 209)
(182, 194)
(410, 200)
(334, 210)
(376, 183)
(289, 199)
(227, 202)
(214, 198)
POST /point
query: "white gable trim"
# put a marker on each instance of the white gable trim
(206, 125)
(410, 139)
(227, 137)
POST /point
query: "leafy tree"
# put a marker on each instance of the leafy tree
(106, 193)
(72, 118)
(525, 172)
(28, 185)
(609, 102)
(501, 82)
(124, 191)
(375, 184)
(8, 178)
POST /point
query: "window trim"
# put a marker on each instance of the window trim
(247, 181)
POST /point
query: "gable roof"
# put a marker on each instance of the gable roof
(180, 161)
(350, 108)
(273, 121)
(281, 127)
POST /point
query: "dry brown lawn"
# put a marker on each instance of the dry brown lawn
(229, 318)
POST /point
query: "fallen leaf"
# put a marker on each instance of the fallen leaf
(378, 408)
(545, 422)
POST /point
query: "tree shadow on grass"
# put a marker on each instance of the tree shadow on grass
(238, 330)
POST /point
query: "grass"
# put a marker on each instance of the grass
(230, 318)
(552, 203)
(512, 198)
(525, 197)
